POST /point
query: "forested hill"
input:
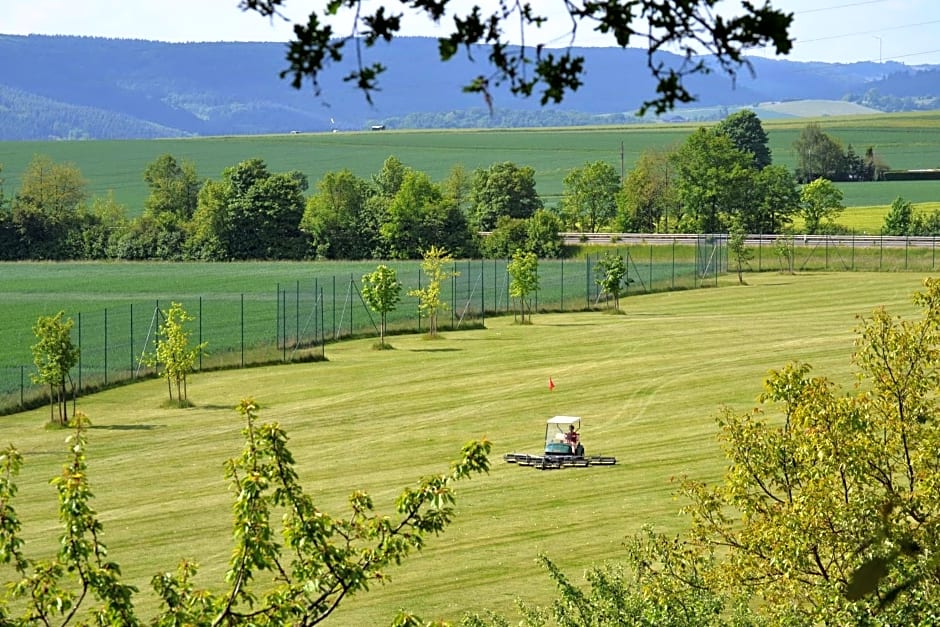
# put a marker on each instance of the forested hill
(84, 87)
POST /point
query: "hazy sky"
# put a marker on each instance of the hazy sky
(838, 31)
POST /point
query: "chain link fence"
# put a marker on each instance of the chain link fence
(295, 321)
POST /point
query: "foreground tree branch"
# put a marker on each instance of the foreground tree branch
(693, 29)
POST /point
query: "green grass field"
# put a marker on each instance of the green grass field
(908, 140)
(648, 385)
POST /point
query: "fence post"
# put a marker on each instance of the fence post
(106, 346)
(482, 292)
(242, 324)
(297, 316)
(562, 283)
(853, 253)
(132, 342)
(200, 332)
(673, 263)
(277, 317)
(23, 384)
(80, 351)
(587, 281)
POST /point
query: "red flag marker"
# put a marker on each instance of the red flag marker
(551, 384)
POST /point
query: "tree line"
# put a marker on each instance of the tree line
(719, 178)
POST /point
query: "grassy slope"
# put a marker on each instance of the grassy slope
(648, 385)
(904, 140)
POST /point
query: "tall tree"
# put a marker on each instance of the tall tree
(648, 195)
(47, 209)
(503, 189)
(210, 225)
(174, 189)
(55, 355)
(778, 201)
(250, 214)
(822, 204)
(337, 218)
(818, 155)
(588, 201)
(714, 180)
(744, 128)
(694, 29)
(415, 215)
(105, 225)
(266, 219)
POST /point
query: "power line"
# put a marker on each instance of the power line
(912, 54)
(868, 32)
(841, 6)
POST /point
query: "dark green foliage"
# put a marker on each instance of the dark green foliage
(510, 235)
(747, 133)
(821, 156)
(338, 218)
(713, 181)
(503, 189)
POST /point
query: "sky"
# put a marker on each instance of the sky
(833, 31)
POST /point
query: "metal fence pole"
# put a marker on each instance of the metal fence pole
(482, 292)
(106, 346)
(132, 342)
(200, 332)
(80, 351)
(242, 324)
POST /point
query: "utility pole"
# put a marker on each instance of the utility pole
(621, 163)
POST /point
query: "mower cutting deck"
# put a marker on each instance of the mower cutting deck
(563, 448)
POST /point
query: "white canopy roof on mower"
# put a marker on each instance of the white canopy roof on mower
(563, 420)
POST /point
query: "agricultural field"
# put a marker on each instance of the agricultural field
(908, 140)
(648, 385)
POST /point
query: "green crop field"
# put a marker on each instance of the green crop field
(908, 140)
(648, 385)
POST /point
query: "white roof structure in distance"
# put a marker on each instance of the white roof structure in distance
(563, 420)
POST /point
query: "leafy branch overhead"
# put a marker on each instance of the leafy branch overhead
(693, 29)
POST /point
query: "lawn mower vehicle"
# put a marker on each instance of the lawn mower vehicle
(563, 448)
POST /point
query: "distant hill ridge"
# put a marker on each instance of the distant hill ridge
(57, 87)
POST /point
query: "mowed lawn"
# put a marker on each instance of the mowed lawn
(648, 385)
